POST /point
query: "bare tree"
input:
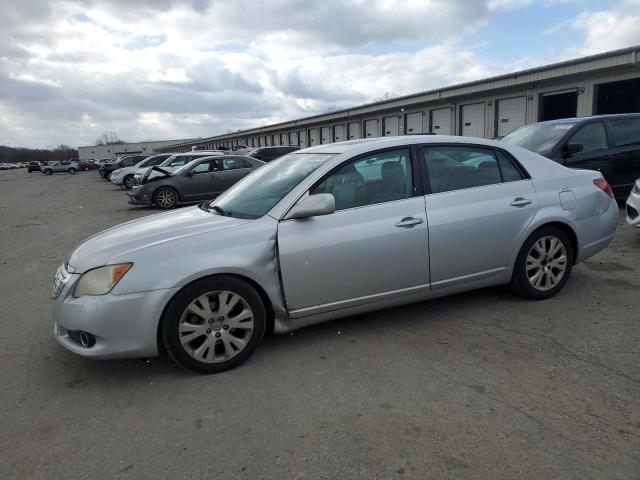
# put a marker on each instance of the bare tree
(109, 138)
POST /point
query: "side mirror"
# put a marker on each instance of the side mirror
(189, 173)
(313, 206)
(572, 148)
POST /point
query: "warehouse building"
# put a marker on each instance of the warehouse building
(598, 84)
(97, 152)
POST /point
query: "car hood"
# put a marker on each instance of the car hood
(120, 242)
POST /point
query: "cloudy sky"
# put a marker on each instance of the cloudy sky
(170, 69)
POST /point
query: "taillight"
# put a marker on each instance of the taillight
(603, 185)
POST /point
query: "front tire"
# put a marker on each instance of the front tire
(166, 198)
(48, 172)
(214, 324)
(72, 171)
(544, 264)
(128, 182)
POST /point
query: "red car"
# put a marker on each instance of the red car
(83, 165)
(33, 167)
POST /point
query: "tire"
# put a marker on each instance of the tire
(48, 172)
(206, 341)
(127, 182)
(72, 171)
(543, 265)
(165, 198)
(86, 169)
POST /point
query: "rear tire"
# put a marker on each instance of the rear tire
(166, 198)
(48, 172)
(214, 324)
(72, 171)
(543, 265)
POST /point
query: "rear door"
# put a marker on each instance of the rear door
(625, 153)
(373, 248)
(200, 184)
(479, 203)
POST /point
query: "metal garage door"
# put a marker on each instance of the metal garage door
(314, 136)
(283, 139)
(371, 128)
(292, 138)
(472, 120)
(390, 126)
(302, 138)
(354, 130)
(441, 121)
(338, 133)
(413, 123)
(512, 114)
(326, 135)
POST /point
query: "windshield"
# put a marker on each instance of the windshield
(258, 192)
(539, 137)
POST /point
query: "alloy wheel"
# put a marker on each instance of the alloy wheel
(546, 263)
(166, 198)
(216, 326)
(128, 182)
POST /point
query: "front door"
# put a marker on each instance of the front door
(595, 150)
(479, 205)
(374, 247)
(200, 183)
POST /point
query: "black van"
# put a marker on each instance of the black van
(608, 143)
(267, 154)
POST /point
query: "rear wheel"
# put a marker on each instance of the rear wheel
(214, 324)
(166, 198)
(48, 172)
(544, 264)
(72, 171)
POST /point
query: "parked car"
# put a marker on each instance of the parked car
(327, 232)
(607, 143)
(33, 167)
(174, 162)
(633, 205)
(86, 165)
(59, 167)
(124, 176)
(126, 161)
(266, 154)
(201, 179)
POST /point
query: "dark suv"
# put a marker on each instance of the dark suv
(126, 161)
(608, 143)
(266, 154)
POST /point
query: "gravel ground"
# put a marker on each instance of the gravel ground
(478, 385)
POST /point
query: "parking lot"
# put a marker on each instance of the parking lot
(478, 385)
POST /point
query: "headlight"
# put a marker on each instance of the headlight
(101, 280)
(116, 172)
(636, 187)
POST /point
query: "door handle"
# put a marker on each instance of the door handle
(408, 222)
(520, 202)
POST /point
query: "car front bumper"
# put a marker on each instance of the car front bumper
(124, 326)
(139, 196)
(116, 180)
(633, 209)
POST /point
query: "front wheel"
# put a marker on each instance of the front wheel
(544, 264)
(72, 171)
(48, 172)
(214, 324)
(128, 182)
(166, 198)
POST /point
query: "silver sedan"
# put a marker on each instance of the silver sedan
(327, 232)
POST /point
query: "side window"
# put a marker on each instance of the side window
(456, 168)
(233, 164)
(378, 178)
(626, 131)
(201, 168)
(509, 171)
(180, 161)
(593, 137)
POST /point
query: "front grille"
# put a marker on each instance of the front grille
(632, 212)
(59, 280)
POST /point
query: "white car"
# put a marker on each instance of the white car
(633, 206)
(124, 176)
(174, 162)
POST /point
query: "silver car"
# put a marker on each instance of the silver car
(59, 167)
(326, 232)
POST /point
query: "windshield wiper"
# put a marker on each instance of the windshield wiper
(220, 210)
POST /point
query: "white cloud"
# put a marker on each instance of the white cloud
(170, 75)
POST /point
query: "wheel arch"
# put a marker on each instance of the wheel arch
(268, 306)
